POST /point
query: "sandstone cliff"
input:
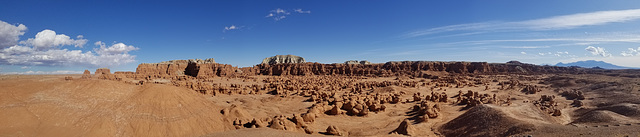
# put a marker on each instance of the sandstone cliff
(193, 67)
(283, 59)
(205, 69)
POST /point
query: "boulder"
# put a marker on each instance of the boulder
(334, 111)
(333, 130)
(309, 117)
(405, 128)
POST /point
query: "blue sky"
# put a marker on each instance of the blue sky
(41, 37)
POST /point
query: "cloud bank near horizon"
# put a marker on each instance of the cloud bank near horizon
(50, 49)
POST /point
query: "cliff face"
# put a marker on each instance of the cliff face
(412, 68)
(283, 59)
(195, 68)
(210, 70)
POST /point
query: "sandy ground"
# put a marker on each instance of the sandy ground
(49, 105)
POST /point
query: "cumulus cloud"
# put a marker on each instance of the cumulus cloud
(279, 14)
(598, 51)
(631, 52)
(549, 23)
(47, 39)
(46, 49)
(118, 48)
(523, 53)
(10, 34)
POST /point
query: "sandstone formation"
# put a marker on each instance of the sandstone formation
(354, 62)
(86, 74)
(283, 59)
(333, 130)
(548, 104)
(405, 128)
(104, 73)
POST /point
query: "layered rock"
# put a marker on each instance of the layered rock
(193, 67)
(283, 59)
(104, 73)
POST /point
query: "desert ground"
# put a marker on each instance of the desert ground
(300, 99)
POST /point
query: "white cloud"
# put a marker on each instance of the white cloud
(598, 51)
(232, 27)
(279, 14)
(631, 52)
(270, 15)
(10, 34)
(118, 48)
(280, 11)
(47, 39)
(46, 50)
(557, 54)
(523, 53)
(43, 72)
(301, 11)
(25, 67)
(108, 56)
(550, 23)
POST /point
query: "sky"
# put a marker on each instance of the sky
(62, 37)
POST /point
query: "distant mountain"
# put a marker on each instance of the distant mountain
(592, 64)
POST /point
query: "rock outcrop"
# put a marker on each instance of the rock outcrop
(104, 73)
(364, 62)
(283, 59)
(193, 67)
(333, 130)
(86, 74)
(405, 128)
